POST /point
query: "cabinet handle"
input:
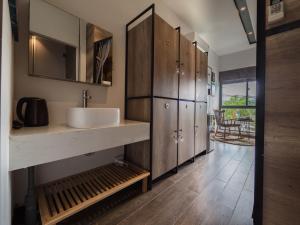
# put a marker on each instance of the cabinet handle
(167, 105)
(196, 130)
(175, 136)
(180, 135)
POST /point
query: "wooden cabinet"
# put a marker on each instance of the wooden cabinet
(186, 131)
(282, 129)
(201, 75)
(164, 150)
(165, 60)
(160, 85)
(187, 69)
(200, 127)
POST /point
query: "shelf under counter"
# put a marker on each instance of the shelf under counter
(31, 146)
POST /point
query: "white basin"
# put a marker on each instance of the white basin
(92, 117)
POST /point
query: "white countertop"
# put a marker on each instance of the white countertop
(31, 146)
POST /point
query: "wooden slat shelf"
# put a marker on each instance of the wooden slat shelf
(63, 198)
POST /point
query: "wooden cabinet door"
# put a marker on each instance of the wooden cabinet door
(165, 61)
(164, 152)
(187, 69)
(282, 129)
(186, 131)
(201, 76)
(200, 127)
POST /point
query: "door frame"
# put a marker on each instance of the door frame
(260, 112)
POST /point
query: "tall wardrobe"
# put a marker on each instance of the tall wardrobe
(166, 85)
(279, 62)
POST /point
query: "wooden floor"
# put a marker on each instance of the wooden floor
(217, 189)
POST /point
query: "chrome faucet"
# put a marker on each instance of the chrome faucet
(85, 98)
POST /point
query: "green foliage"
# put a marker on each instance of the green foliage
(239, 112)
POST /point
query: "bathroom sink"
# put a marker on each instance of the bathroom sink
(92, 117)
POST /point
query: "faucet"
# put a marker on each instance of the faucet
(85, 98)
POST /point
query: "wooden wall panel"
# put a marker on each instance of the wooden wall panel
(165, 60)
(139, 153)
(187, 69)
(292, 12)
(139, 109)
(139, 59)
(282, 130)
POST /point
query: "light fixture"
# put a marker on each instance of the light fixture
(243, 8)
(244, 14)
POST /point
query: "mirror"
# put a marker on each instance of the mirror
(65, 47)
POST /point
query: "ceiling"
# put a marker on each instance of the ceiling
(217, 22)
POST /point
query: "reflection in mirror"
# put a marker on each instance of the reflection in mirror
(96, 50)
(68, 48)
(51, 58)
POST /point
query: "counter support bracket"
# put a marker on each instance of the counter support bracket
(30, 199)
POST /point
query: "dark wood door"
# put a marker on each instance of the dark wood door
(164, 153)
(187, 69)
(201, 75)
(282, 129)
(165, 60)
(200, 127)
(186, 131)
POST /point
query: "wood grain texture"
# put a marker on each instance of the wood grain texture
(139, 59)
(87, 186)
(187, 69)
(200, 128)
(139, 109)
(193, 196)
(139, 153)
(292, 13)
(186, 130)
(164, 150)
(165, 59)
(201, 75)
(282, 129)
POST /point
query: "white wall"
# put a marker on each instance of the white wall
(61, 95)
(5, 120)
(238, 60)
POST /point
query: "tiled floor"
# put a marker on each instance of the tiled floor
(216, 189)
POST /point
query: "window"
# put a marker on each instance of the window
(239, 99)
(252, 93)
(239, 94)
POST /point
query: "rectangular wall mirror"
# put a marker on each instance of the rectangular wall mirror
(65, 47)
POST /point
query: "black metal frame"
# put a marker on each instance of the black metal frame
(151, 97)
(178, 92)
(260, 112)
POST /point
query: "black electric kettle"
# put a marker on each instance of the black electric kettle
(36, 112)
